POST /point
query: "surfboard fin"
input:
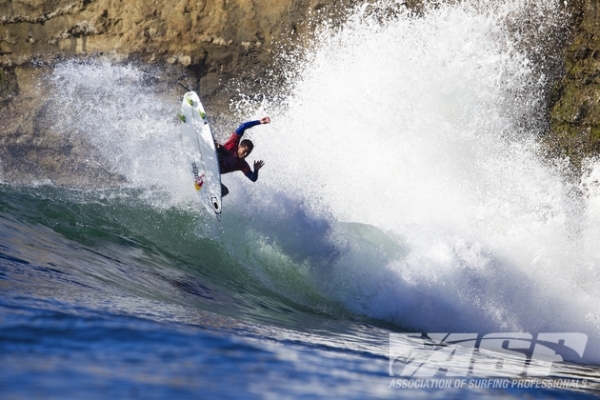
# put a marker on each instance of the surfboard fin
(202, 114)
(181, 117)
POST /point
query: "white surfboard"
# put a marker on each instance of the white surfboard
(199, 147)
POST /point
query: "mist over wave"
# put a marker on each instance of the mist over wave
(417, 136)
(402, 180)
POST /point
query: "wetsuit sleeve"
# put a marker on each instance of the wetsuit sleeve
(253, 176)
(246, 125)
(245, 167)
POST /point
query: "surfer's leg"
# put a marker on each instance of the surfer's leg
(224, 191)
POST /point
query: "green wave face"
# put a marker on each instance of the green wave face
(122, 249)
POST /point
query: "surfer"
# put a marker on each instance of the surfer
(232, 154)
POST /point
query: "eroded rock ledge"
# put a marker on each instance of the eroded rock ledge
(214, 47)
(213, 40)
(210, 45)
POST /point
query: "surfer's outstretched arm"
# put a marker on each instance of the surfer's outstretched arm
(247, 125)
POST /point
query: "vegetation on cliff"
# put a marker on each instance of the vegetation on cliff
(575, 114)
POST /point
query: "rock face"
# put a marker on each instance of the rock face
(575, 117)
(213, 47)
(213, 40)
(208, 46)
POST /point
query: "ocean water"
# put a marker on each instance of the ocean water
(405, 239)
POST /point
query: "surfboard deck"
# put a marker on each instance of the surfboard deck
(199, 147)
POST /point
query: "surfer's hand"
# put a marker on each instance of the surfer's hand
(258, 164)
(265, 120)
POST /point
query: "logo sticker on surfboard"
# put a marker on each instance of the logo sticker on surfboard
(199, 181)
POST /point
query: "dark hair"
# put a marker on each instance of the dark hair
(247, 143)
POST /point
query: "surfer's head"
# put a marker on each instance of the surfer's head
(245, 148)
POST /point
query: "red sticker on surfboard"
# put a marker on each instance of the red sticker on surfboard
(199, 182)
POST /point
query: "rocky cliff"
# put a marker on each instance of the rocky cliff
(217, 47)
(575, 115)
(213, 41)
